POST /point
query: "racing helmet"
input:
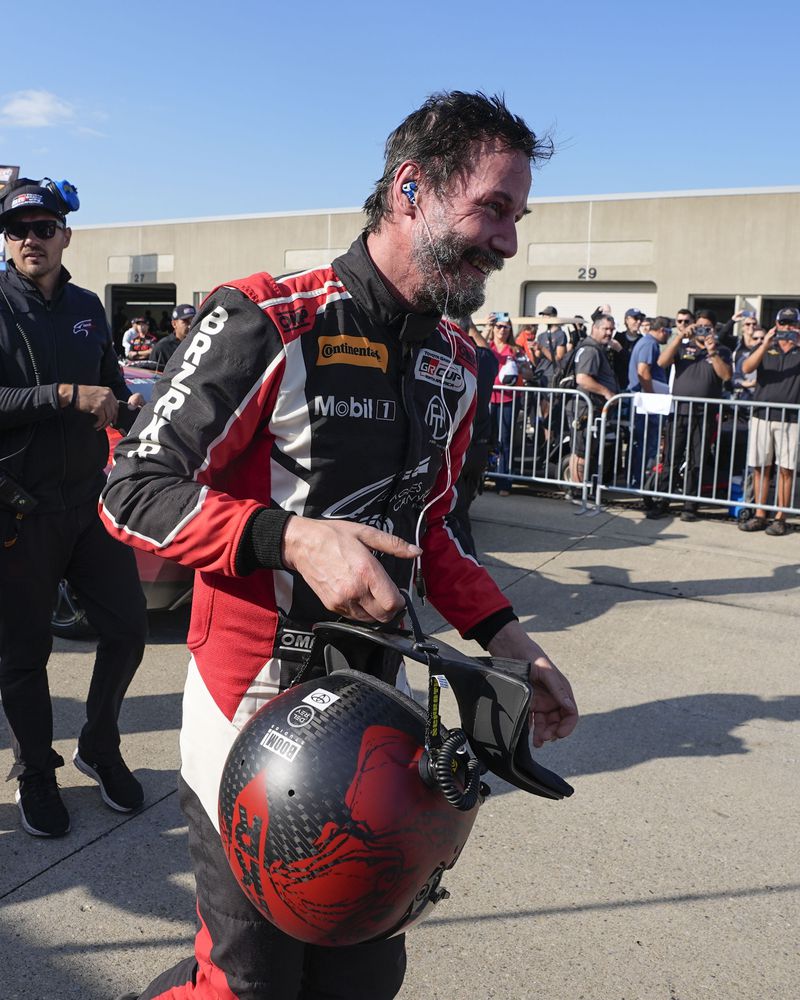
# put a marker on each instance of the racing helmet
(342, 801)
(328, 824)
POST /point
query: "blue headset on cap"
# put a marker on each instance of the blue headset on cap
(63, 190)
(59, 197)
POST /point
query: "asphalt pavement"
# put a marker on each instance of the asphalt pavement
(671, 874)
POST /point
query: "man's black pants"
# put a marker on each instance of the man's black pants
(71, 545)
(692, 448)
(241, 956)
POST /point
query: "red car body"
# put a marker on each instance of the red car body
(166, 585)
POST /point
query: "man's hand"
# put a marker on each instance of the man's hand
(335, 559)
(554, 713)
(136, 401)
(100, 402)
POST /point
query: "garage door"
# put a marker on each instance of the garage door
(581, 298)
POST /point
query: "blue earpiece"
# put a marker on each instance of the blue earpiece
(409, 189)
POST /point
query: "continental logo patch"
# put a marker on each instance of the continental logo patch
(344, 350)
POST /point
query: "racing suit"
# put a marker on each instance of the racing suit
(58, 457)
(314, 394)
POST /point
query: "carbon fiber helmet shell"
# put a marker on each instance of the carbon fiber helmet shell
(326, 823)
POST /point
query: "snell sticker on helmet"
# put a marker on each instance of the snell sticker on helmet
(344, 350)
(300, 716)
(321, 699)
(281, 745)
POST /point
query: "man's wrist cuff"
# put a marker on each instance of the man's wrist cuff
(486, 630)
(262, 540)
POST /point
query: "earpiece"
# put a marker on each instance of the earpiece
(409, 189)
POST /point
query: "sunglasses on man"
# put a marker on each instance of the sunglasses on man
(42, 229)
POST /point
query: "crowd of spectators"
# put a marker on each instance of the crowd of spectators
(692, 356)
(147, 341)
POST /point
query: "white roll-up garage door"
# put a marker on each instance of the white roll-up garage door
(581, 298)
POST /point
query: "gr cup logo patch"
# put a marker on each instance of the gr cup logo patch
(358, 351)
(440, 370)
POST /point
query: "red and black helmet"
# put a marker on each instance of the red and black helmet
(326, 820)
(342, 802)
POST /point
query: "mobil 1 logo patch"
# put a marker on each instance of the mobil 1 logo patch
(300, 716)
(439, 370)
(321, 699)
(281, 745)
(362, 408)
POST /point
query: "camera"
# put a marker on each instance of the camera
(14, 497)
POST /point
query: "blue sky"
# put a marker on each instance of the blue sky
(173, 109)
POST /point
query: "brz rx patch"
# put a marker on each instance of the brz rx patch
(321, 699)
(281, 745)
(300, 716)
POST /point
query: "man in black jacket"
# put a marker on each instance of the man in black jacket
(182, 317)
(60, 387)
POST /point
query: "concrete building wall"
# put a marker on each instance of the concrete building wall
(664, 248)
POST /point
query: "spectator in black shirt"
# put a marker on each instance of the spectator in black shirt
(773, 430)
(182, 317)
(701, 368)
(627, 339)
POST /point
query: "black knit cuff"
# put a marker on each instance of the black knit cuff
(486, 630)
(260, 544)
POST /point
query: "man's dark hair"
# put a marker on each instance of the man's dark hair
(685, 312)
(440, 137)
(598, 317)
(708, 314)
(660, 323)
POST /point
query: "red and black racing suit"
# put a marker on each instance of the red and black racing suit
(314, 394)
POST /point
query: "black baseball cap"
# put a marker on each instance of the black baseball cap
(28, 194)
(184, 311)
(548, 311)
(636, 313)
(787, 316)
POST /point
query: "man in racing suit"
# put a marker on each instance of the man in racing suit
(60, 387)
(300, 453)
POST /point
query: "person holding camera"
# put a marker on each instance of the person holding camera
(60, 388)
(702, 366)
(773, 433)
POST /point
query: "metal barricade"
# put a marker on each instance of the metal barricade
(696, 451)
(536, 435)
